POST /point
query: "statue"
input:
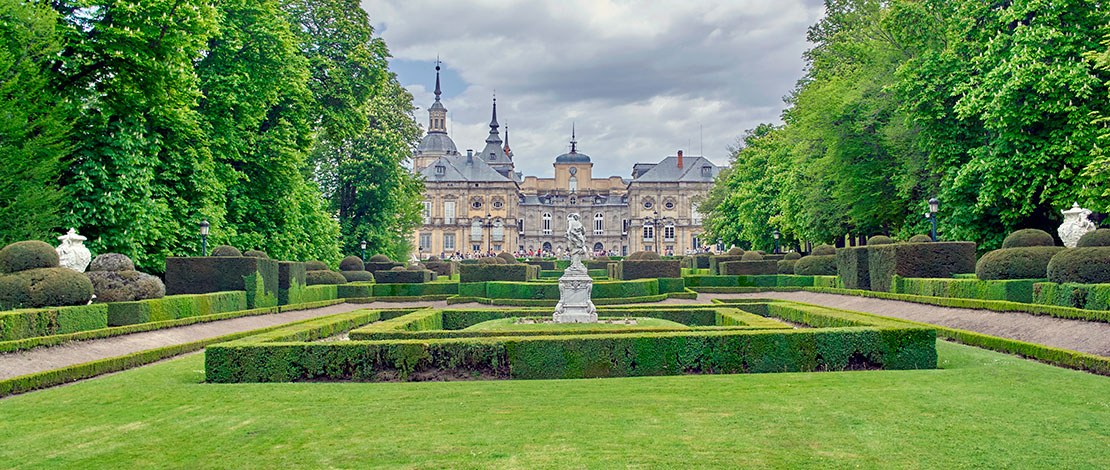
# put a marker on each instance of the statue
(575, 286)
(576, 238)
(72, 253)
(1075, 225)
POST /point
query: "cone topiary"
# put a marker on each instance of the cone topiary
(352, 263)
(752, 256)
(793, 255)
(646, 256)
(1028, 237)
(1100, 237)
(316, 266)
(320, 277)
(921, 239)
(112, 262)
(30, 254)
(256, 254)
(879, 240)
(226, 250)
(735, 251)
(380, 259)
(823, 250)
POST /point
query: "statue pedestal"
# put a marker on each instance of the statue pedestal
(575, 290)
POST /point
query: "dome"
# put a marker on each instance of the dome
(437, 143)
(573, 157)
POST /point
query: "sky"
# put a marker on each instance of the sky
(638, 80)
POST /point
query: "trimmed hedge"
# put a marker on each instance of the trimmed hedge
(320, 293)
(1013, 290)
(202, 275)
(443, 268)
(749, 268)
(404, 277)
(816, 265)
(645, 269)
(175, 307)
(44, 287)
(716, 261)
(1073, 295)
(377, 266)
(918, 260)
(30, 254)
(412, 290)
(28, 323)
(1083, 265)
(851, 266)
(493, 272)
(324, 277)
(291, 282)
(1016, 263)
(1026, 238)
(543, 264)
(1100, 237)
(355, 289)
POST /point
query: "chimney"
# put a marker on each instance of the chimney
(469, 155)
(680, 159)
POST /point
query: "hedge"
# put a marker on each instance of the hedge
(320, 292)
(1083, 296)
(404, 277)
(1015, 290)
(715, 262)
(32, 322)
(851, 266)
(544, 265)
(498, 272)
(375, 267)
(748, 268)
(646, 269)
(996, 305)
(699, 283)
(408, 290)
(291, 282)
(174, 307)
(443, 268)
(918, 260)
(284, 355)
(202, 275)
(355, 289)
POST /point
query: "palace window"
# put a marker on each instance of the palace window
(573, 184)
(668, 232)
(449, 212)
(448, 242)
(649, 232)
(599, 224)
(476, 231)
(498, 230)
(425, 242)
(707, 170)
(427, 212)
(546, 227)
(441, 170)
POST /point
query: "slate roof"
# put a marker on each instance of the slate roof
(459, 169)
(667, 171)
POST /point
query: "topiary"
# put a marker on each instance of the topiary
(380, 259)
(313, 278)
(735, 251)
(793, 255)
(491, 260)
(602, 258)
(256, 254)
(752, 256)
(352, 263)
(357, 276)
(644, 256)
(397, 268)
(415, 267)
(816, 265)
(226, 250)
(823, 250)
(125, 286)
(786, 266)
(30, 254)
(112, 262)
(50, 287)
(1028, 237)
(316, 266)
(1088, 265)
(1100, 237)
(508, 257)
(879, 240)
(921, 239)
(1030, 262)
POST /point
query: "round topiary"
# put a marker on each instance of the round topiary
(111, 262)
(816, 265)
(357, 276)
(397, 268)
(226, 250)
(602, 258)
(256, 254)
(644, 256)
(491, 260)
(793, 255)
(1028, 237)
(752, 256)
(879, 240)
(508, 257)
(921, 239)
(52, 287)
(380, 259)
(313, 278)
(415, 267)
(352, 263)
(1100, 237)
(823, 250)
(15, 291)
(30, 254)
(1029, 262)
(125, 286)
(1088, 265)
(786, 266)
(316, 266)
(735, 251)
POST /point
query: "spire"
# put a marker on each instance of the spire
(437, 79)
(493, 123)
(573, 141)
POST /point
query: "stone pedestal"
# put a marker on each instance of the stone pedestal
(575, 290)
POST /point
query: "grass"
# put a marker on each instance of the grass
(509, 324)
(980, 410)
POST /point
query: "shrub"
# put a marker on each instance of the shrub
(751, 256)
(643, 256)
(256, 254)
(921, 239)
(508, 257)
(352, 263)
(316, 266)
(111, 262)
(442, 268)
(1090, 265)
(404, 276)
(629, 269)
(291, 282)
(793, 255)
(1029, 262)
(735, 251)
(491, 261)
(851, 266)
(314, 278)
(823, 250)
(1100, 237)
(30, 254)
(543, 264)
(879, 240)
(786, 266)
(357, 276)
(50, 287)
(926, 260)
(498, 272)
(380, 259)
(202, 275)
(602, 258)
(226, 250)
(125, 286)
(749, 268)
(816, 265)
(1028, 237)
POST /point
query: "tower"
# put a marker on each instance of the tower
(436, 143)
(495, 153)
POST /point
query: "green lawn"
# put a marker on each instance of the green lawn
(980, 410)
(509, 324)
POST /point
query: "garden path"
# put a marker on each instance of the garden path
(54, 357)
(1077, 335)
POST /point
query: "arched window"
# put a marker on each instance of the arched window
(599, 224)
(546, 223)
(649, 231)
(573, 183)
(476, 231)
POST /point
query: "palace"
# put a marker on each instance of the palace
(477, 202)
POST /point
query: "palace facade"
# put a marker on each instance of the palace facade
(476, 202)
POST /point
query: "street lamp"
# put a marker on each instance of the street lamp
(489, 239)
(204, 225)
(362, 244)
(776, 235)
(934, 207)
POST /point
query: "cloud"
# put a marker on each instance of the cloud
(639, 80)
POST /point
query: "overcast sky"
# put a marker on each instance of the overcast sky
(639, 79)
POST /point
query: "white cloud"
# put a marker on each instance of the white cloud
(637, 78)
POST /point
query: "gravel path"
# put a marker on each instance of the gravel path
(43, 359)
(1077, 335)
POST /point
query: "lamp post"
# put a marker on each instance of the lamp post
(934, 207)
(362, 245)
(489, 225)
(204, 225)
(776, 235)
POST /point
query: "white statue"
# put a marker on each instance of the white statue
(1075, 225)
(72, 253)
(576, 238)
(575, 286)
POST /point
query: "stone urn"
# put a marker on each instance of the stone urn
(1075, 225)
(72, 253)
